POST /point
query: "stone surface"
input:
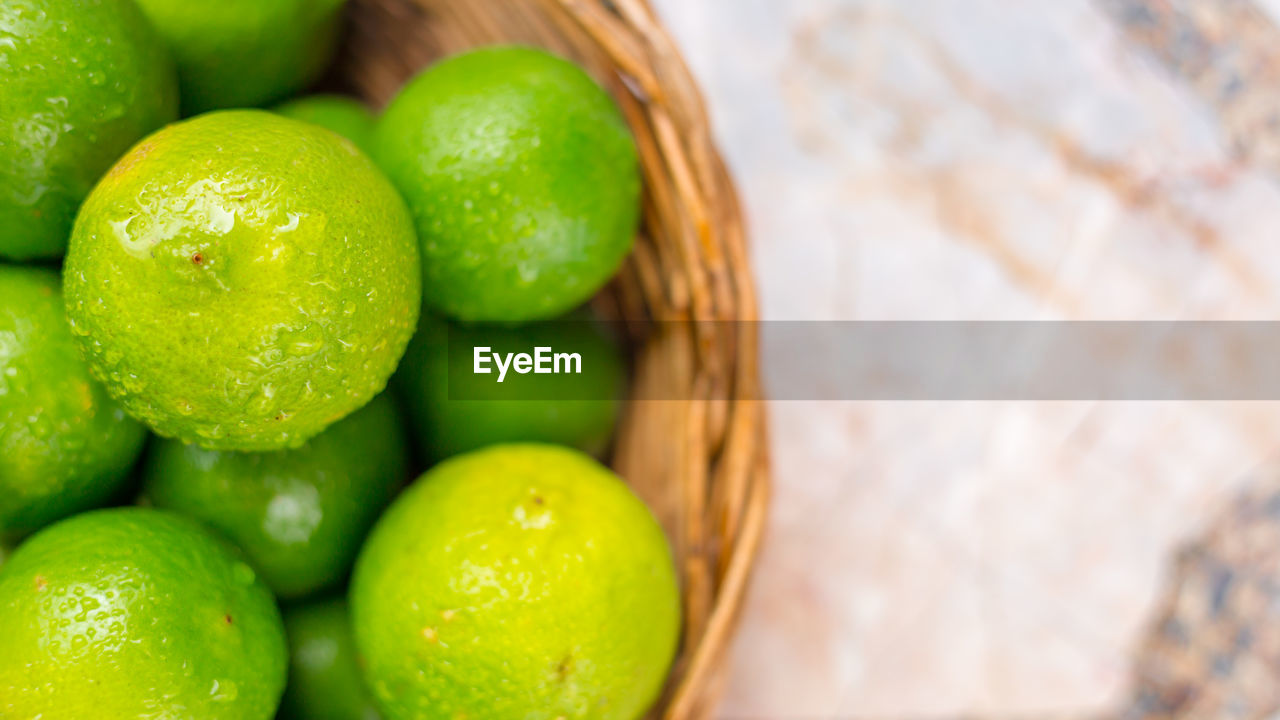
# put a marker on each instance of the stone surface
(990, 159)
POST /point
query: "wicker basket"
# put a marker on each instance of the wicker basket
(700, 462)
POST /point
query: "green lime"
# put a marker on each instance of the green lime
(346, 116)
(243, 280)
(299, 515)
(65, 446)
(576, 410)
(136, 613)
(522, 177)
(244, 53)
(80, 81)
(324, 674)
(518, 581)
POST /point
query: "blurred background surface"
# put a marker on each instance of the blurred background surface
(990, 159)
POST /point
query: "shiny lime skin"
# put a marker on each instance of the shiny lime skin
(518, 581)
(243, 280)
(324, 675)
(445, 426)
(65, 446)
(136, 613)
(80, 81)
(298, 515)
(245, 53)
(346, 116)
(522, 177)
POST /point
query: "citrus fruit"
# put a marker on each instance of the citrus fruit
(65, 446)
(346, 116)
(243, 280)
(299, 515)
(324, 676)
(522, 177)
(135, 613)
(80, 81)
(243, 53)
(577, 410)
(518, 581)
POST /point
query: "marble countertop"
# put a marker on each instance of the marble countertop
(989, 159)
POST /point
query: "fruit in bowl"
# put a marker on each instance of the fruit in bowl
(516, 581)
(65, 446)
(244, 283)
(523, 180)
(243, 280)
(131, 613)
(299, 515)
(79, 83)
(242, 53)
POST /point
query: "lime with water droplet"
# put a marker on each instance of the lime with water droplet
(527, 568)
(61, 125)
(235, 307)
(299, 515)
(174, 621)
(64, 444)
(564, 164)
(244, 53)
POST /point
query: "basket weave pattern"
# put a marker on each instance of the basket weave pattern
(699, 461)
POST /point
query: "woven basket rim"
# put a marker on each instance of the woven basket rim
(701, 463)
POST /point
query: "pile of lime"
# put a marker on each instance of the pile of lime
(230, 337)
